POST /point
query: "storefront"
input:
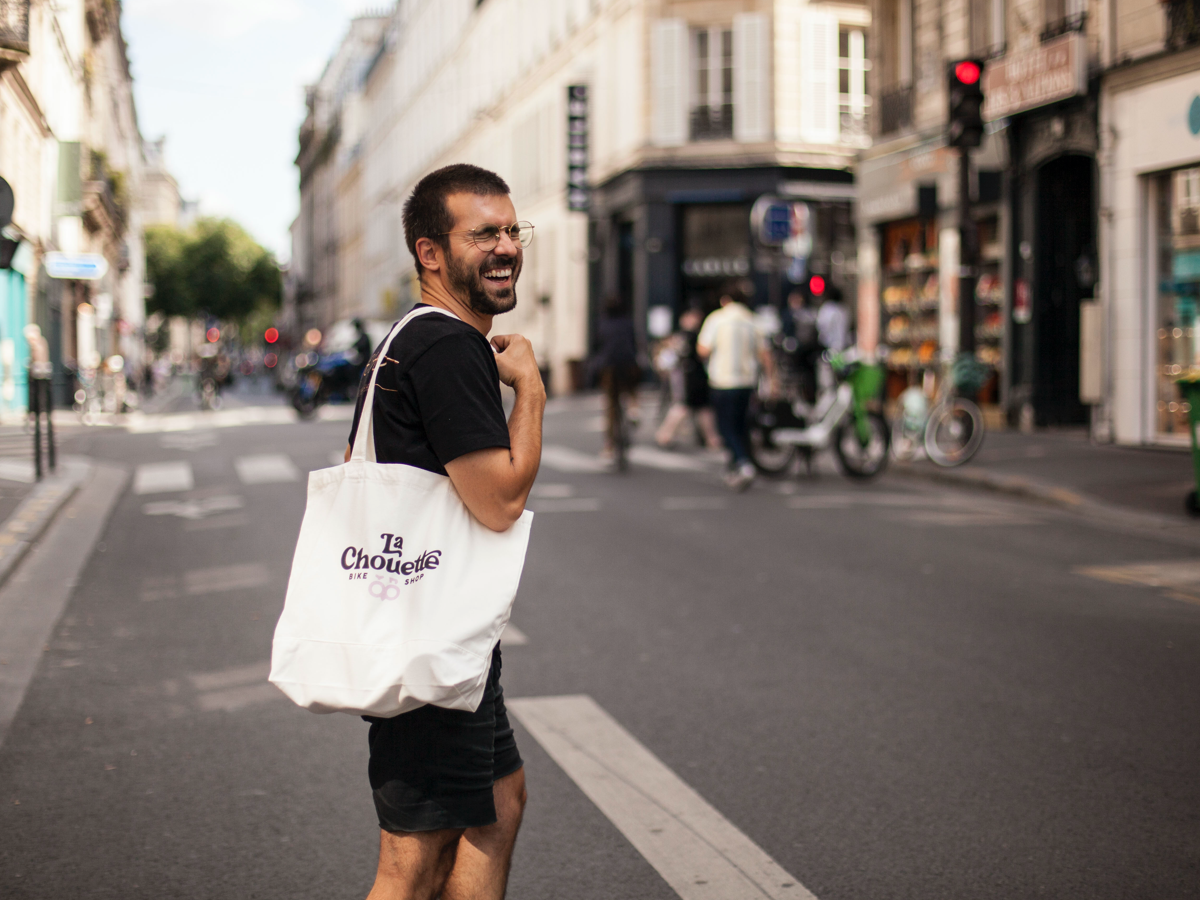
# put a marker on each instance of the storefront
(669, 239)
(909, 261)
(1150, 246)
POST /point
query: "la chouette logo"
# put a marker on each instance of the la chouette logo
(387, 567)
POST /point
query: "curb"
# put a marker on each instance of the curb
(1050, 495)
(35, 513)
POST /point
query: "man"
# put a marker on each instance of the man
(729, 341)
(448, 785)
(833, 324)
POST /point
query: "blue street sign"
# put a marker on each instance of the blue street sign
(76, 266)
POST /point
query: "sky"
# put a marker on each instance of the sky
(224, 81)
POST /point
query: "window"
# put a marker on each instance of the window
(712, 84)
(852, 84)
(987, 25)
(1176, 204)
(1061, 16)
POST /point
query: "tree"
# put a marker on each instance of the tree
(213, 269)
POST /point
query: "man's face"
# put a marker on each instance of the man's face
(487, 279)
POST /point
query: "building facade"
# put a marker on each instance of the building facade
(635, 134)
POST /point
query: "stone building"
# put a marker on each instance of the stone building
(635, 134)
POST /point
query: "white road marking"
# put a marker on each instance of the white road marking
(265, 468)
(696, 850)
(963, 518)
(666, 460)
(512, 636)
(233, 699)
(141, 423)
(194, 509)
(564, 459)
(688, 504)
(234, 520)
(566, 504)
(159, 478)
(552, 491)
(188, 440)
(231, 689)
(1179, 579)
(17, 470)
(236, 675)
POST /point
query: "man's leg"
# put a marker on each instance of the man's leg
(740, 426)
(723, 407)
(485, 854)
(414, 865)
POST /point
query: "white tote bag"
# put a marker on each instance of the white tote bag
(397, 594)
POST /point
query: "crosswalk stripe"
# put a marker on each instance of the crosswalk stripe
(512, 636)
(158, 478)
(265, 468)
(696, 850)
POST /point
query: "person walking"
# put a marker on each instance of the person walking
(449, 785)
(689, 387)
(616, 363)
(730, 343)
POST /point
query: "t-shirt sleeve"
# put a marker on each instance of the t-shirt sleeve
(457, 387)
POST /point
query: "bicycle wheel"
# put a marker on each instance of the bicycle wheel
(954, 432)
(906, 439)
(772, 459)
(861, 459)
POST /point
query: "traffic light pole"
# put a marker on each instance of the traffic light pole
(968, 250)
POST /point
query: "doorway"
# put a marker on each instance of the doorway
(1064, 275)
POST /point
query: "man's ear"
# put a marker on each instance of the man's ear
(428, 254)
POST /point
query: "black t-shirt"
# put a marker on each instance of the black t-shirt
(437, 397)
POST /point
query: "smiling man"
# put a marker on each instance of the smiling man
(448, 785)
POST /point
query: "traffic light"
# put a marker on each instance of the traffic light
(965, 125)
(816, 285)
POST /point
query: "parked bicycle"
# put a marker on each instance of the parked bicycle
(842, 418)
(951, 430)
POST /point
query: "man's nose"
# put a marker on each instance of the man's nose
(506, 246)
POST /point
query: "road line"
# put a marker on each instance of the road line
(33, 599)
(512, 636)
(266, 468)
(543, 491)
(696, 850)
(231, 677)
(564, 459)
(159, 478)
(665, 460)
(226, 578)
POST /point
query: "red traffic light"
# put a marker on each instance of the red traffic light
(272, 335)
(213, 335)
(816, 284)
(967, 72)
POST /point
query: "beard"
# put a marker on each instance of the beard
(483, 298)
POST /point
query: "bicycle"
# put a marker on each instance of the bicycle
(951, 431)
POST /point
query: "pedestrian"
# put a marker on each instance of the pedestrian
(616, 362)
(449, 785)
(800, 326)
(833, 322)
(689, 387)
(730, 343)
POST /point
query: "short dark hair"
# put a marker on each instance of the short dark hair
(425, 212)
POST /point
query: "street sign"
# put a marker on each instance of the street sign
(579, 195)
(76, 266)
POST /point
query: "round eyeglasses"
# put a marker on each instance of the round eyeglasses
(487, 237)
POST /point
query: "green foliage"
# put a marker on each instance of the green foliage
(213, 269)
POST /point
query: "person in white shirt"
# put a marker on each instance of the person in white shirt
(833, 322)
(730, 343)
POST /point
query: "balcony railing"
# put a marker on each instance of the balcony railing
(1065, 25)
(14, 25)
(712, 123)
(1183, 23)
(895, 109)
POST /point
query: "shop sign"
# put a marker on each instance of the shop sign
(716, 266)
(780, 223)
(579, 195)
(1055, 70)
(76, 266)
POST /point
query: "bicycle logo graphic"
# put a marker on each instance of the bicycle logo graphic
(384, 591)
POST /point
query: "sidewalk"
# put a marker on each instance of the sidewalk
(1065, 468)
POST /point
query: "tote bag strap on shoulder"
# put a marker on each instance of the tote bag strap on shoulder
(364, 437)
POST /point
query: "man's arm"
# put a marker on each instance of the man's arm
(495, 483)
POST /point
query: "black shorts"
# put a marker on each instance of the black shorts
(433, 768)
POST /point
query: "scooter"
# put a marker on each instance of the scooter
(334, 376)
(841, 418)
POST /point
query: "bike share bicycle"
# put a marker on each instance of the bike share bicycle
(843, 418)
(951, 430)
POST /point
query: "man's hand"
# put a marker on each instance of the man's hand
(516, 362)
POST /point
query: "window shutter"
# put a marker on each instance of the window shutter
(751, 69)
(819, 77)
(669, 74)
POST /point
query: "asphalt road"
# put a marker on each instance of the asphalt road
(895, 690)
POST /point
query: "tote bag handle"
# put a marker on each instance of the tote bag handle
(364, 437)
